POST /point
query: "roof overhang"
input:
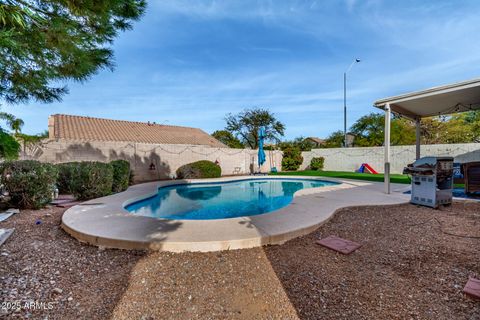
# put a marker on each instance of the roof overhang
(443, 100)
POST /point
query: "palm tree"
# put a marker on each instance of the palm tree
(15, 124)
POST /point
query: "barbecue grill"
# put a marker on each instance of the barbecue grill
(432, 181)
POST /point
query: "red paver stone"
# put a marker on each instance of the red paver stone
(473, 288)
(338, 244)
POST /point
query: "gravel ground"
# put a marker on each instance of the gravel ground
(42, 264)
(413, 265)
(408, 267)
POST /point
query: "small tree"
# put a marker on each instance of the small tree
(299, 142)
(317, 163)
(292, 159)
(245, 125)
(334, 140)
(228, 139)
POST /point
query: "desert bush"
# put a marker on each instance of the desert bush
(121, 175)
(65, 173)
(198, 170)
(292, 159)
(30, 184)
(317, 163)
(91, 180)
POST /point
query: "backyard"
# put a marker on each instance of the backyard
(151, 191)
(413, 263)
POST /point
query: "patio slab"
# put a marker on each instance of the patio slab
(105, 222)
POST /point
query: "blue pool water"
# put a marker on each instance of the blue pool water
(222, 200)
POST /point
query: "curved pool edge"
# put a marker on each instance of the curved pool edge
(104, 222)
(154, 193)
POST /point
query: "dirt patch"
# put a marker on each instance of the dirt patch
(413, 264)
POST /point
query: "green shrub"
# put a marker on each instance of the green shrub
(292, 159)
(198, 170)
(317, 163)
(91, 180)
(9, 147)
(121, 175)
(29, 183)
(65, 173)
(131, 178)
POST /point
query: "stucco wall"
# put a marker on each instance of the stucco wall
(167, 158)
(350, 159)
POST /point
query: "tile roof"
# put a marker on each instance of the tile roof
(97, 129)
(316, 140)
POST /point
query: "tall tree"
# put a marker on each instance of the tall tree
(461, 127)
(227, 138)
(245, 125)
(43, 43)
(473, 118)
(15, 124)
(334, 140)
(369, 131)
(300, 143)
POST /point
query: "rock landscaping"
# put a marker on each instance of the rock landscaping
(413, 264)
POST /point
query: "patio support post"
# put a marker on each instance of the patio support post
(417, 138)
(388, 116)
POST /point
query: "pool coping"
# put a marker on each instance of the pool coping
(105, 222)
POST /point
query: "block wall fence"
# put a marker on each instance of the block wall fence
(350, 159)
(166, 158)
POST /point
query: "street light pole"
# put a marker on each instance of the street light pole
(344, 109)
(345, 102)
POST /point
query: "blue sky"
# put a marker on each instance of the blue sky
(191, 62)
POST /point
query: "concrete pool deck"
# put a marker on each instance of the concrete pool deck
(104, 221)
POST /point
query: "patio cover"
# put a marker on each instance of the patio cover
(442, 100)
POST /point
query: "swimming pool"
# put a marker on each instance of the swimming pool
(222, 200)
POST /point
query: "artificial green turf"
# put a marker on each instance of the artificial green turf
(394, 178)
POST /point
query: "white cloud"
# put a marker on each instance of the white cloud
(403, 46)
